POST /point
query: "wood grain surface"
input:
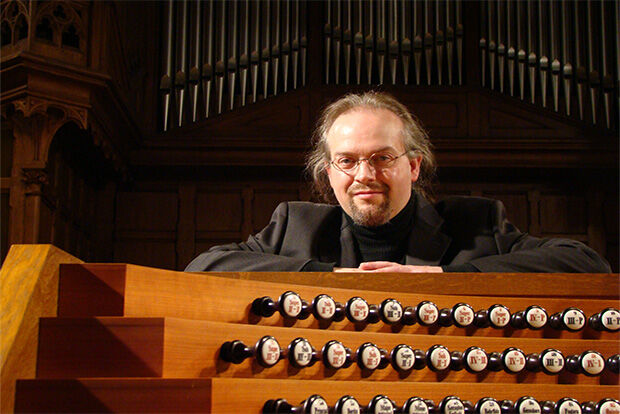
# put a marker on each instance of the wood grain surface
(242, 395)
(131, 347)
(190, 295)
(29, 290)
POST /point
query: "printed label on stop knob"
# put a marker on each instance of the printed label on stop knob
(536, 317)
(592, 363)
(463, 315)
(514, 360)
(477, 360)
(336, 355)
(270, 351)
(358, 309)
(291, 305)
(326, 307)
(499, 316)
(573, 319)
(440, 358)
(611, 319)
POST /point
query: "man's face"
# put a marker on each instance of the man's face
(371, 197)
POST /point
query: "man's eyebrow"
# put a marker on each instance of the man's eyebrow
(383, 149)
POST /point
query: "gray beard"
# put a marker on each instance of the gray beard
(373, 215)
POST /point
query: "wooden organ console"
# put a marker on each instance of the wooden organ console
(135, 339)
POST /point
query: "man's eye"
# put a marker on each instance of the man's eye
(381, 159)
(346, 162)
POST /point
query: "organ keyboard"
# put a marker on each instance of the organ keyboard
(130, 338)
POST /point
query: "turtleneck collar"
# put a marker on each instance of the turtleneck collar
(385, 242)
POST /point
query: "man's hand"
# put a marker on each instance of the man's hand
(376, 267)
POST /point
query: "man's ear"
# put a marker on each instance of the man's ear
(415, 163)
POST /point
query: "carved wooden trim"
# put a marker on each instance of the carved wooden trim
(34, 178)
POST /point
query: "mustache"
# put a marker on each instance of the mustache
(373, 187)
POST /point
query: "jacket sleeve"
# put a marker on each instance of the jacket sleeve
(259, 253)
(520, 252)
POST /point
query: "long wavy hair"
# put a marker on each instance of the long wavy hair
(415, 140)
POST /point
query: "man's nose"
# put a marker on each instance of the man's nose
(365, 172)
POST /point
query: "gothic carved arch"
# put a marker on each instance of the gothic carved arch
(62, 24)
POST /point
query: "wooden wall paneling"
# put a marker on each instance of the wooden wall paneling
(186, 239)
(266, 201)
(146, 226)
(563, 214)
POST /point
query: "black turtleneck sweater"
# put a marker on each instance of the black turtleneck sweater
(387, 242)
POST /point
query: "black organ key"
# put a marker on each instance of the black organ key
(475, 359)
(315, 404)
(391, 311)
(264, 306)
(438, 358)
(567, 406)
(481, 318)
(499, 316)
(347, 405)
(547, 407)
(532, 362)
(507, 406)
(571, 319)
(408, 317)
(301, 353)
(451, 405)
(335, 355)
(380, 404)
(426, 313)
(487, 405)
(513, 360)
(456, 361)
(267, 351)
(527, 405)
(416, 405)
(495, 362)
(552, 361)
(588, 407)
(606, 320)
(290, 305)
(371, 357)
(608, 406)
(590, 363)
(613, 364)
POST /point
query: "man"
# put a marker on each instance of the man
(374, 158)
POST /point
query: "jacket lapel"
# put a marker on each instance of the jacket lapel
(348, 258)
(427, 244)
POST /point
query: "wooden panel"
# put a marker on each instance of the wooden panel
(29, 290)
(114, 396)
(517, 207)
(562, 214)
(221, 395)
(103, 347)
(219, 211)
(146, 211)
(130, 347)
(144, 298)
(265, 202)
(138, 250)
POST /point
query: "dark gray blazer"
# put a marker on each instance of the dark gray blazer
(455, 231)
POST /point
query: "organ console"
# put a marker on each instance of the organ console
(346, 345)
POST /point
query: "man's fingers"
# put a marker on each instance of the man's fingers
(376, 265)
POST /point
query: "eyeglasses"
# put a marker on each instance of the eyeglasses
(378, 161)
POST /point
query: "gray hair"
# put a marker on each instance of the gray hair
(415, 140)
